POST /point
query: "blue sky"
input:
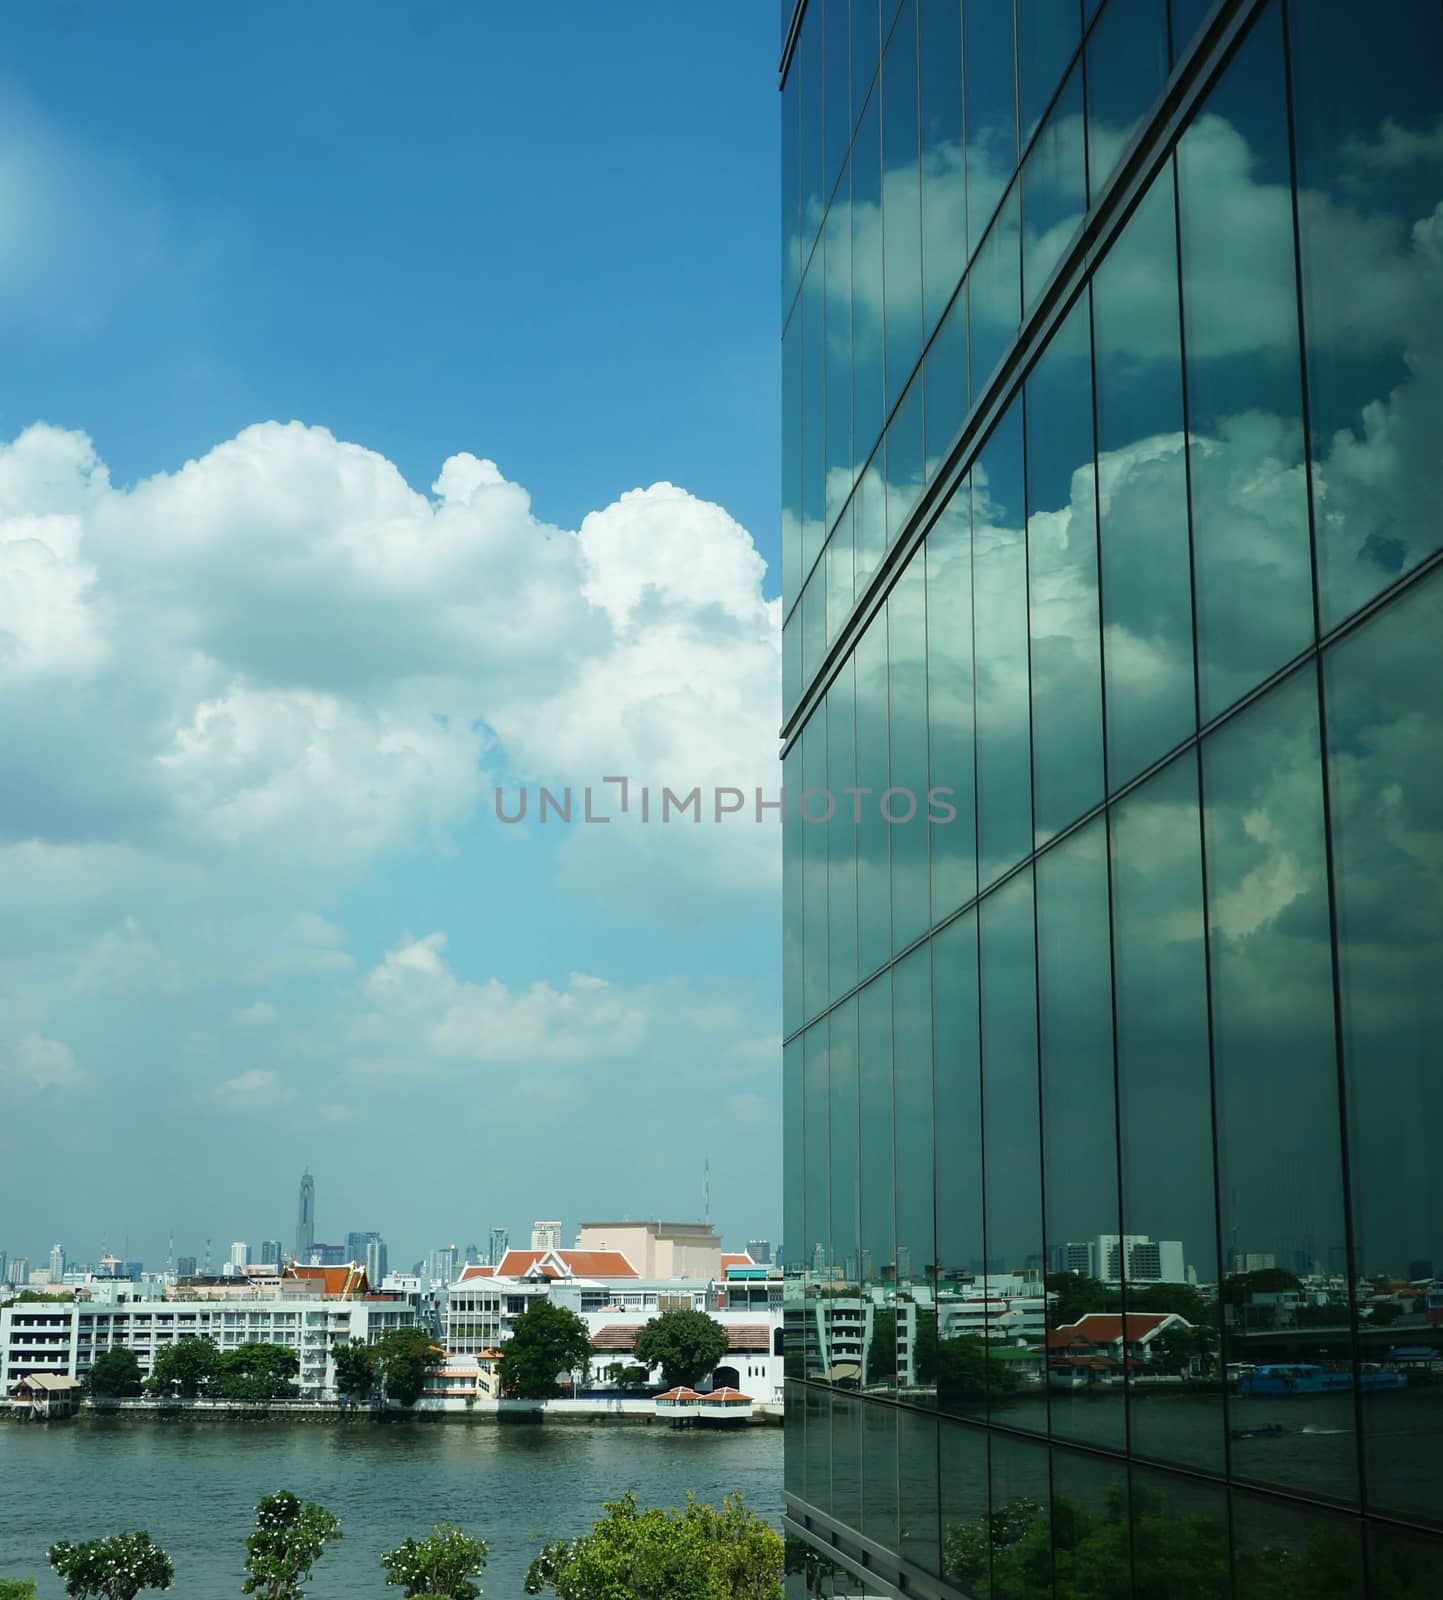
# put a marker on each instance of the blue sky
(341, 262)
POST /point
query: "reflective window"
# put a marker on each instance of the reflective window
(999, 613)
(1010, 1135)
(1169, 1196)
(869, 516)
(794, 1205)
(1020, 1524)
(792, 461)
(840, 575)
(962, 1456)
(874, 1018)
(1403, 1566)
(1126, 69)
(814, 622)
(1188, 17)
(994, 294)
(837, 244)
(815, 1094)
(1385, 775)
(867, 381)
(847, 1460)
(1249, 497)
(1285, 1288)
(817, 1450)
(947, 385)
(944, 188)
(791, 191)
(1270, 1539)
(949, 702)
(879, 1474)
(814, 870)
(1179, 1537)
(1047, 33)
(814, 415)
(840, 1307)
(905, 801)
(794, 1478)
(866, 48)
(874, 843)
(1142, 491)
(901, 202)
(1062, 580)
(1368, 115)
(916, 1242)
(917, 1490)
(809, 64)
(1054, 190)
(1079, 1130)
(1090, 1533)
(838, 87)
(792, 894)
(989, 65)
(906, 465)
(841, 832)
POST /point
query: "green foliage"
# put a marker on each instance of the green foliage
(33, 1297)
(401, 1360)
(685, 1344)
(881, 1364)
(1239, 1287)
(1179, 1298)
(1077, 1296)
(698, 1553)
(187, 1367)
(17, 1589)
(258, 1371)
(438, 1567)
(114, 1374)
(117, 1568)
(355, 1368)
(289, 1539)
(625, 1377)
(548, 1341)
(966, 1370)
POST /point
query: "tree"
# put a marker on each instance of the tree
(17, 1589)
(289, 1539)
(625, 1377)
(258, 1371)
(1173, 1349)
(355, 1368)
(187, 1367)
(114, 1373)
(1179, 1298)
(966, 1370)
(1076, 1296)
(698, 1553)
(685, 1344)
(548, 1340)
(117, 1568)
(881, 1364)
(401, 1360)
(438, 1567)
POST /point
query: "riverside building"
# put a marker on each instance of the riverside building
(1112, 396)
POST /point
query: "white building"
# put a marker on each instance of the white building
(545, 1236)
(1138, 1259)
(238, 1253)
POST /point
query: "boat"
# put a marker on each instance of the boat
(1267, 1430)
(1303, 1379)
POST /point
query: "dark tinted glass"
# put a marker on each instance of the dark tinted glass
(994, 294)
(792, 460)
(869, 522)
(916, 1239)
(867, 348)
(906, 463)
(1090, 1532)
(1165, 1108)
(1047, 33)
(1240, 324)
(1079, 1128)
(1403, 1566)
(901, 202)
(1368, 115)
(795, 1249)
(791, 190)
(917, 1483)
(866, 48)
(809, 64)
(840, 574)
(838, 90)
(794, 1476)
(841, 832)
(814, 870)
(1321, 1554)
(1285, 1282)
(1126, 67)
(1188, 17)
(879, 1474)
(1062, 581)
(837, 261)
(906, 799)
(793, 918)
(847, 1460)
(1020, 1522)
(1054, 189)
(1142, 491)
(814, 412)
(1179, 1538)
(874, 1020)
(947, 383)
(999, 613)
(949, 702)
(874, 843)
(817, 1450)
(962, 1456)
(816, 1112)
(944, 190)
(989, 66)
(1385, 774)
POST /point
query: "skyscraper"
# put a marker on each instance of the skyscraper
(306, 1218)
(377, 1264)
(272, 1253)
(239, 1253)
(499, 1244)
(1113, 632)
(57, 1263)
(545, 1235)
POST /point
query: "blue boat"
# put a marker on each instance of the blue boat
(1286, 1380)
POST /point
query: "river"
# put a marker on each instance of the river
(194, 1486)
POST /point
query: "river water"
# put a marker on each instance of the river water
(194, 1486)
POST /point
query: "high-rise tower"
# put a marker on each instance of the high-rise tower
(306, 1218)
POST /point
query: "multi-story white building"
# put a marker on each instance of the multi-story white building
(1139, 1259)
(545, 1235)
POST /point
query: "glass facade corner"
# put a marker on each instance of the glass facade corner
(1113, 643)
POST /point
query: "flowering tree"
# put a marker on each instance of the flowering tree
(441, 1565)
(289, 1539)
(117, 1568)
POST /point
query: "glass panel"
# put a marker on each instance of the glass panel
(999, 619)
(814, 412)
(902, 202)
(905, 461)
(879, 1474)
(961, 1360)
(837, 240)
(1286, 1292)
(1142, 491)
(1048, 32)
(794, 1476)
(904, 804)
(809, 64)
(1126, 69)
(866, 48)
(840, 575)
(841, 1309)
(794, 1210)
(874, 843)
(916, 1238)
(814, 623)
(841, 832)
(1385, 774)
(989, 65)
(814, 870)
(867, 284)
(1062, 581)
(791, 661)
(1368, 117)
(962, 1454)
(1179, 1538)
(791, 191)
(1011, 1126)
(817, 1468)
(869, 511)
(994, 294)
(1020, 1523)
(1079, 1131)
(792, 894)
(1240, 324)
(817, 1112)
(1168, 1189)
(1090, 1533)
(949, 702)
(917, 1460)
(792, 462)
(1054, 190)
(838, 87)
(944, 187)
(1317, 1555)
(1188, 17)
(878, 1243)
(847, 1460)
(1403, 1566)
(946, 381)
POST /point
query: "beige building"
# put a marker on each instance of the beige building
(658, 1249)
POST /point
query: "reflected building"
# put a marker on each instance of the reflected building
(1112, 573)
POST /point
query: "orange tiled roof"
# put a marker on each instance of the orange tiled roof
(349, 1280)
(1101, 1327)
(741, 1260)
(566, 1263)
(474, 1271)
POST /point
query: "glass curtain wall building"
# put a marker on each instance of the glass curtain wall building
(1113, 895)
